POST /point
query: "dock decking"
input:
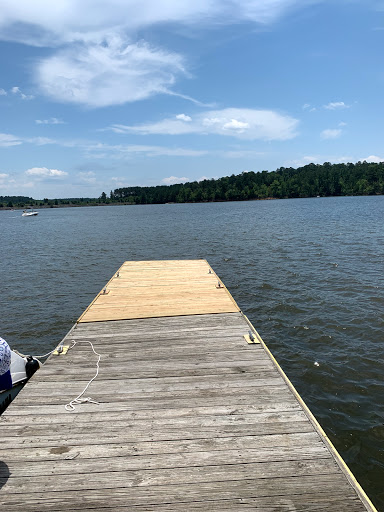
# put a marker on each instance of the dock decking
(190, 415)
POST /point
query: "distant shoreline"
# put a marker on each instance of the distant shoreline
(312, 180)
(85, 205)
(47, 207)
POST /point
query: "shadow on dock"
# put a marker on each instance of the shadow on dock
(4, 473)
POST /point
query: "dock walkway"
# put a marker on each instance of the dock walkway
(190, 415)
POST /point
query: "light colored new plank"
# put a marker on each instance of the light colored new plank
(123, 313)
(172, 290)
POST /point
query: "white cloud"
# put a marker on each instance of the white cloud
(110, 74)
(26, 96)
(372, 159)
(174, 179)
(330, 133)
(119, 181)
(3, 176)
(305, 160)
(44, 172)
(342, 123)
(97, 61)
(43, 23)
(336, 105)
(241, 123)
(87, 177)
(319, 159)
(308, 107)
(119, 151)
(183, 117)
(16, 90)
(41, 141)
(7, 140)
(51, 120)
(236, 125)
(2, 92)
(151, 151)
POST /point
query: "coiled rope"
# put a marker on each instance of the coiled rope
(79, 400)
(70, 406)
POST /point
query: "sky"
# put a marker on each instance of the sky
(97, 95)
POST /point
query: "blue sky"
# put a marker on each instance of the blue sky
(96, 95)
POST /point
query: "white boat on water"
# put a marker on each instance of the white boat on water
(20, 369)
(29, 213)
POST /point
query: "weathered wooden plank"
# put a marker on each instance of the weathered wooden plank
(203, 346)
(148, 338)
(115, 419)
(61, 436)
(128, 332)
(270, 400)
(24, 425)
(180, 455)
(112, 373)
(113, 498)
(195, 322)
(232, 326)
(140, 369)
(99, 414)
(131, 473)
(176, 418)
(149, 353)
(206, 361)
(234, 334)
(158, 385)
(266, 444)
(152, 397)
(146, 351)
(318, 502)
(173, 350)
(169, 328)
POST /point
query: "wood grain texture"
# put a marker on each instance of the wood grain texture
(190, 416)
(160, 289)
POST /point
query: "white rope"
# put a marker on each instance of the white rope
(78, 400)
(45, 355)
(60, 345)
(37, 357)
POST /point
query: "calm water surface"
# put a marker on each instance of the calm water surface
(307, 272)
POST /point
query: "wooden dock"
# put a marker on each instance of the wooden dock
(190, 416)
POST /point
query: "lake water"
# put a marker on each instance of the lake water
(307, 272)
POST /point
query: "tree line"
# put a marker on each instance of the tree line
(312, 180)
